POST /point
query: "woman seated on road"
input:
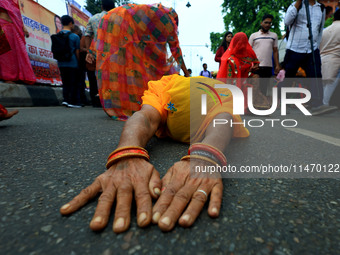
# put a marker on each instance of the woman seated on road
(134, 45)
(167, 111)
(238, 64)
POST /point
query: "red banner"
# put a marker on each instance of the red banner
(80, 18)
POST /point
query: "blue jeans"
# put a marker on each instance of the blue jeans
(294, 60)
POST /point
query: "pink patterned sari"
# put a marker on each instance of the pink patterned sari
(14, 64)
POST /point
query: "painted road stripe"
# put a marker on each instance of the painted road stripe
(317, 136)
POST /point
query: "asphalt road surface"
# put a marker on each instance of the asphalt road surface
(48, 154)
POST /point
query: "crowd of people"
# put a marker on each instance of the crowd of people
(299, 58)
(134, 57)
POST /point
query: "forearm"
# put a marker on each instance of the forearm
(218, 55)
(184, 69)
(88, 40)
(291, 14)
(276, 58)
(139, 129)
(220, 135)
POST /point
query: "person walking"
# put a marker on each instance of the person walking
(69, 67)
(90, 34)
(299, 51)
(265, 44)
(205, 72)
(239, 63)
(224, 46)
(330, 57)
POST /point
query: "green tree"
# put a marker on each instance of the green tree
(95, 6)
(246, 16)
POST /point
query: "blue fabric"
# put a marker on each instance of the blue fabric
(75, 45)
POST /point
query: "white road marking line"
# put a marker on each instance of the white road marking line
(317, 136)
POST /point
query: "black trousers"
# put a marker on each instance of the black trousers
(294, 60)
(264, 72)
(91, 75)
(93, 85)
(70, 79)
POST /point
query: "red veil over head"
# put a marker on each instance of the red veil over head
(242, 54)
(236, 63)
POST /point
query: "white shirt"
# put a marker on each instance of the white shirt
(263, 44)
(206, 74)
(298, 40)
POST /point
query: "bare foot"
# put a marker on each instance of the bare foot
(9, 115)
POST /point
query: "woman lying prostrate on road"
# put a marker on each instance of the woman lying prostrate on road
(181, 193)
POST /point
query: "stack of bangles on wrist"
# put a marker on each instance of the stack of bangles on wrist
(126, 152)
(206, 153)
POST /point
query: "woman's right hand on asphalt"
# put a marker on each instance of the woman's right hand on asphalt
(119, 183)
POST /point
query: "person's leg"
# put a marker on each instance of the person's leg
(315, 82)
(259, 100)
(329, 89)
(265, 73)
(82, 87)
(93, 87)
(64, 73)
(74, 87)
(292, 62)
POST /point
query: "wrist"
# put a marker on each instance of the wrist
(207, 151)
(126, 152)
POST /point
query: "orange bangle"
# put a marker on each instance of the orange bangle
(126, 148)
(206, 159)
(125, 155)
(186, 157)
(128, 151)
